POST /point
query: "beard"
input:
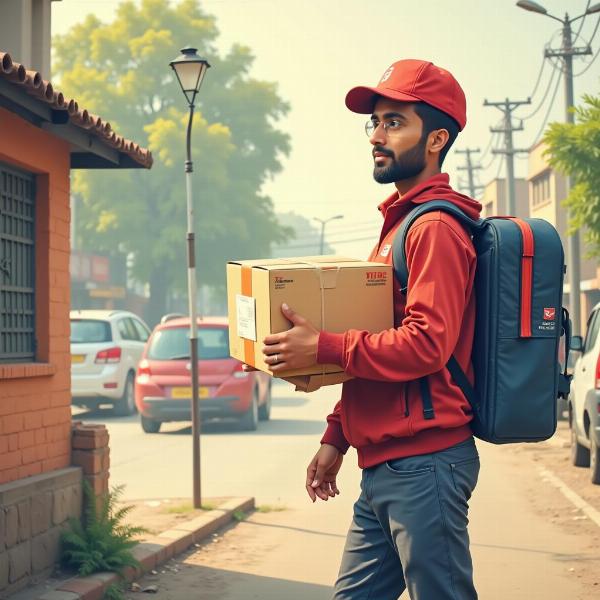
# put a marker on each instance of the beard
(409, 164)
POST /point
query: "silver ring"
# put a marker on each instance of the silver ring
(277, 358)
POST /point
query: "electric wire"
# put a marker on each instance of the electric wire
(550, 106)
(542, 102)
(595, 55)
(539, 77)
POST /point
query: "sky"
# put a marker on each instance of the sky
(317, 50)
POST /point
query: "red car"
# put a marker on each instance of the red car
(162, 385)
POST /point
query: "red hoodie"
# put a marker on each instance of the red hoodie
(381, 411)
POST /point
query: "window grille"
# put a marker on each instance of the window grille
(17, 262)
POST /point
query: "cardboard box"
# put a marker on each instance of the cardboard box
(333, 293)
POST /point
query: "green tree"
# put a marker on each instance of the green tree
(120, 71)
(574, 150)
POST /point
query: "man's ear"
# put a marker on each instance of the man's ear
(438, 140)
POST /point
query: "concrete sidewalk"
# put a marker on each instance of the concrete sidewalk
(294, 554)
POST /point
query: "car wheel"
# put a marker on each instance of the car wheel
(595, 461)
(264, 410)
(580, 455)
(150, 425)
(249, 422)
(126, 403)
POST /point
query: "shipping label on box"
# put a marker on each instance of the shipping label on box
(334, 293)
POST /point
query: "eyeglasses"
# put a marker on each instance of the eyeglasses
(390, 127)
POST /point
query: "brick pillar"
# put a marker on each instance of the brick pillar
(92, 454)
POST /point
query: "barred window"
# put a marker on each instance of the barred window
(17, 262)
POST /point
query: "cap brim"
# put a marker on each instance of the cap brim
(362, 99)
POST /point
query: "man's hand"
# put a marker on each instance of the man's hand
(295, 348)
(322, 471)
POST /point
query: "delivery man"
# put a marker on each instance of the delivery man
(415, 447)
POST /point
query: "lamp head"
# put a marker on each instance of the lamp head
(532, 6)
(190, 70)
(593, 9)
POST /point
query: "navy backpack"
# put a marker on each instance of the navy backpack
(519, 322)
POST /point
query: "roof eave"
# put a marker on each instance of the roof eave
(87, 150)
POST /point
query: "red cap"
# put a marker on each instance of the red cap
(413, 81)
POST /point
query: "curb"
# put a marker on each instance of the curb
(153, 552)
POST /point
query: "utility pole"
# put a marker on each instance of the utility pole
(470, 168)
(567, 52)
(323, 223)
(507, 107)
(573, 248)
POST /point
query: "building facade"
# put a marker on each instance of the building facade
(494, 198)
(547, 190)
(43, 136)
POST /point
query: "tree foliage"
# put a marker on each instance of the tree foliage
(120, 71)
(574, 150)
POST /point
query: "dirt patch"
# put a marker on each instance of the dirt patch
(160, 514)
(548, 501)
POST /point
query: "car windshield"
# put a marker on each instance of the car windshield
(174, 343)
(88, 331)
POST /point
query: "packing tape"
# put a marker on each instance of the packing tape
(247, 291)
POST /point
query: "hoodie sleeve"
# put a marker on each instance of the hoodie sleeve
(441, 267)
(334, 434)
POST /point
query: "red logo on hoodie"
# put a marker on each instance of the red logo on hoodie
(549, 314)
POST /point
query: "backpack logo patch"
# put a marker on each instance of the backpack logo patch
(385, 250)
(549, 314)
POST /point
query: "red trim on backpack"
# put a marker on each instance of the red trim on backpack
(526, 275)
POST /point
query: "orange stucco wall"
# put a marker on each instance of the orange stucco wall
(35, 413)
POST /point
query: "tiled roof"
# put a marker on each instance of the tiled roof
(44, 92)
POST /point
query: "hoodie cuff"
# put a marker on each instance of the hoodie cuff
(330, 350)
(334, 436)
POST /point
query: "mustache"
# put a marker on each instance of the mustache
(381, 150)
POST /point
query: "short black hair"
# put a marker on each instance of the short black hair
(436, 119)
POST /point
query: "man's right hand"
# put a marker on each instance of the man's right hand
(322, 471)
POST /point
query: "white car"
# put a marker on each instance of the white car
(584, 400)
(106, 347)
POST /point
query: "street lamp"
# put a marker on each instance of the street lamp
(190, 70)
(566, 52)
(323, 223)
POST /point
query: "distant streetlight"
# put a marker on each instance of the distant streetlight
(566, 52)
(190, 70)
(323, 223)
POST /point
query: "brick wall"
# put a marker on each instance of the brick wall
(35, 401)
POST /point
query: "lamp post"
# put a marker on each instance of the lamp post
(566, 52)
(323, 223)
(190, 70)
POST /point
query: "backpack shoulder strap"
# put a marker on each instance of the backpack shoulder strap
(399, 243)
(401, 273)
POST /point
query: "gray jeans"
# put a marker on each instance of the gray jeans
(410, 529)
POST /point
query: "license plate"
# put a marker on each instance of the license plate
(186, 392)
(77, 359)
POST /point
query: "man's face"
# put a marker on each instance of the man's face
(399, 147)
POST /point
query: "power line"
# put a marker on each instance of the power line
(542, 102)
(550, 106)
(589, 65)
(595, 55)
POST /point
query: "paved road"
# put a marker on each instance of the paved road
(519, 551)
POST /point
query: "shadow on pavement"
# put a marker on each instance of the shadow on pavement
(207, 583)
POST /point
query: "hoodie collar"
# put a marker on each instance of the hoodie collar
(412, 195)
